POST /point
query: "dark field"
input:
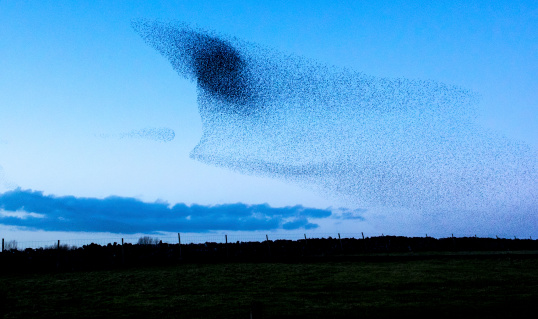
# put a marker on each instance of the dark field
(442, 286)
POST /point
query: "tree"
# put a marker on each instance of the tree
(10, 245)
(146, 240)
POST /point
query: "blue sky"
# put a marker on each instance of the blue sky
(91, 112)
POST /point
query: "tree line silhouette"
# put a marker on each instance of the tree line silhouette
(151, 251)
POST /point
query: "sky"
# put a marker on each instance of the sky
(97, 127)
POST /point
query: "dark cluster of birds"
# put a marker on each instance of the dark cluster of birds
(373, 140)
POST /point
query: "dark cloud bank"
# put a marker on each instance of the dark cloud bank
(130, 215)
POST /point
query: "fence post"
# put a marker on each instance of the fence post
(268, 245)
(58, 253)
(340, 239)
(179, 240)
(122, 253)
(2, 244)
(226, 239)
(362, 233)
(305, 247)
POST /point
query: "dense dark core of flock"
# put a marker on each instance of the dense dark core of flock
(220, 69)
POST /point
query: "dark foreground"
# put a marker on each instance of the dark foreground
(501, 286)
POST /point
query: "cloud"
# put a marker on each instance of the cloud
(19, 214)
(299, 223)
(348, 214)
(34, 210)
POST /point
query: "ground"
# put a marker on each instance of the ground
(503, 286)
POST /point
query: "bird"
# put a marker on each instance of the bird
(372, 140)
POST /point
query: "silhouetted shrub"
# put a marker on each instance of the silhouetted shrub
(61, 247)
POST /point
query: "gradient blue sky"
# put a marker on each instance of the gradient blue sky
(78, 86)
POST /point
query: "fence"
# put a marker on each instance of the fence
(8, 244)
(189, 238)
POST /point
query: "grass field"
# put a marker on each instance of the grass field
(503, 287)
